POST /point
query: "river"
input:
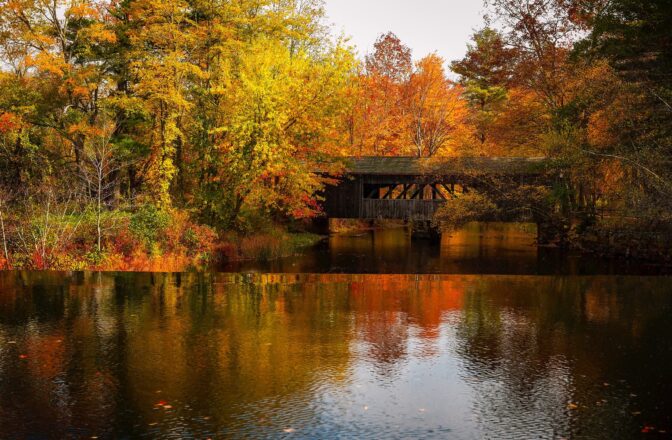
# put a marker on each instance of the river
(483, 336)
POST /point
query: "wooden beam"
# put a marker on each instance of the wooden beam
(418, 192)
(389, 192)
(404, 192)
(437, 192)
(450, 190)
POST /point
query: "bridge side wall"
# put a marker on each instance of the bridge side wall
(419, 210)
(345, 199)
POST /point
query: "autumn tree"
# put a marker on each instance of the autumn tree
(377, 119)
(542, 33)
(56, 47)
(486, 72)
(222, 111)
(436, 109)
(281, 119)
(390, 58)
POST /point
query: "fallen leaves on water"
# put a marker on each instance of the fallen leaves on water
(23, 356)
(288, 430)
(572, 406)
(162, 404)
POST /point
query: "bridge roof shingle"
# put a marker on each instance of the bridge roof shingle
(413, 166)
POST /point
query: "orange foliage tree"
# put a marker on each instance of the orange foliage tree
(437, 111)
(405, 109)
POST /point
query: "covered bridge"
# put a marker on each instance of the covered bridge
(408, 188)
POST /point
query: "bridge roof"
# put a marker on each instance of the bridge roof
(413, 166)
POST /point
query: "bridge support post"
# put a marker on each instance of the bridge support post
(319, 225)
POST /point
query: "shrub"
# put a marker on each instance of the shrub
(467, 208)
(148, 223)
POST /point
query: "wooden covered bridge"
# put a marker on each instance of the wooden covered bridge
(406, 188)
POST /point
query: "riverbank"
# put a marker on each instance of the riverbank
(234, 249)
(145, 240)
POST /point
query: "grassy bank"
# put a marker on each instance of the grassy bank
(138, 240)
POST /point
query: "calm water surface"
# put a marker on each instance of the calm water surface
(467, 356)
(479, 248)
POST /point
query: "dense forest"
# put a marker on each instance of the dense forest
(154, 134)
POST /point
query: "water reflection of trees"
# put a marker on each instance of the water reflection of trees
(253, 352)
(534, 347)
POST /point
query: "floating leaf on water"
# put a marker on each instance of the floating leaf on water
(23, 356)
(572, 406)
(288, 430)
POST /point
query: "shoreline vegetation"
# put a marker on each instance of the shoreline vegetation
(158, 134)
(151, 240)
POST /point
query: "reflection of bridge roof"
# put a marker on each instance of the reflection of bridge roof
(413, 166)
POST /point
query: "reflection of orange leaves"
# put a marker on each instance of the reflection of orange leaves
(48, 355)
(424, 301)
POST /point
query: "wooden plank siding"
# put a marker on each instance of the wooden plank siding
(365, 188)
(344, 200)
(400, 209)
